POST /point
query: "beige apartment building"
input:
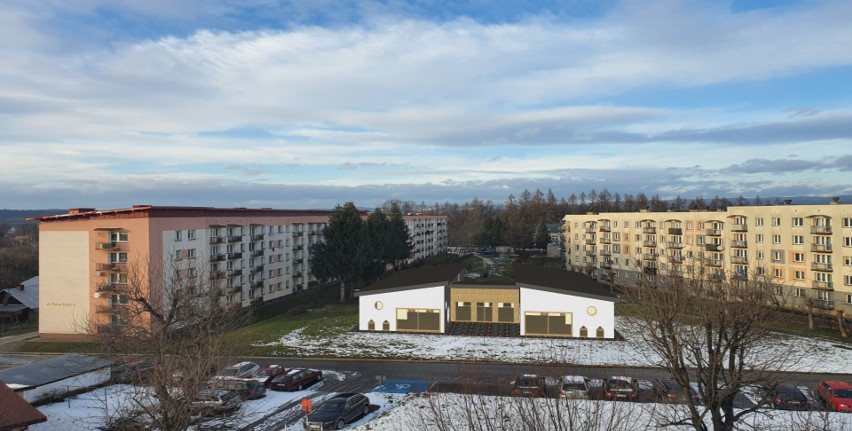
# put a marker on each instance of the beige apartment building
(257, 254)
(805, 249)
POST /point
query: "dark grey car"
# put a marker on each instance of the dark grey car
(338, 411)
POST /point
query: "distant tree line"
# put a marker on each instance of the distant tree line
(520, 221)
(18, 253)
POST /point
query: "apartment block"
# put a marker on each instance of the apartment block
(428, 235)
(806, 250)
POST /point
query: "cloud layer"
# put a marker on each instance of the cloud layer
(205, 103)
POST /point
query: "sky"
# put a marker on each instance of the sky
(295, 104)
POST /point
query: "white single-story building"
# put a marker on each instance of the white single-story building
(540, 302)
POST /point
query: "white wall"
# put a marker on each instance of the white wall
(538, 300)
(427, 297)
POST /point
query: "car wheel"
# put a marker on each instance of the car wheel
(340, 424)
(366, 409)
(300, 387)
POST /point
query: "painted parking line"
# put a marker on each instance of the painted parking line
(402, 386)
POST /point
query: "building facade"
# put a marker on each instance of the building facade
(428, 235)
(257, 255)
(806, 250)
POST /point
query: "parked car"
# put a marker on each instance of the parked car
(791, 398)
(295, 380)
(247, 389)
(835, 395)
(670, 391)
(212, 402)
(338, 411)
(621, 388)
(529, 385)
(266, 373)
(131, 372)
(574, 387)
(242, 370)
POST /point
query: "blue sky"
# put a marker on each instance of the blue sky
(266, 103)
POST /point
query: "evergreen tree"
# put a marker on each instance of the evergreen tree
(399, 246)
(345, 253)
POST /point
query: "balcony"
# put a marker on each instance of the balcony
(257, 268)
(675, 231)
(590, 240)
(257, 237)
(217, 275)
(256, 284)
(739, 259)
(649, 243)
(590, 253)
(821, 248)
(604, 228)
(823, 285)
(739, 228)
(606, 253)
(312, 233)
(649, 256)
(713, 232)
(237, 255)
(217, 257)
(235, 238)
(714, 262)
(649, 230)
(714, 247)
(590, 267)
(605, 240)
(589, 229)
(650, 270)
(606, 264)
(106, 287)
(112, 267)
(257, 253)
(821, 230)
(298, 247)
(107, 246)
(675, 245)
(819, 266)
(297, 274)
(676, 259)
(236, 287)
(235, 272)
(738, 243)
(298, 261)
(216, 240)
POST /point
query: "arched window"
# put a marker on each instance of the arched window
(600, 331)
(584, 333)
(371, 326)
(385, 326)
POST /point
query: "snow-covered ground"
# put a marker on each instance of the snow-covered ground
(453, 411)
(91, 410)
(814, 355)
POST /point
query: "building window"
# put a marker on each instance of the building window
(798, 222)
(849, 299)
(584, 332)
(506, 312)
(847, 221)
(379, 305)
(463, 311)
(777, 273)
(760, 255)
(118, 257)
(758, 238)
(118, 236)
(758, 221)
(371, 325)
(592, 310)
(776, 221)
(847, 280)
(190, 234)
(385, 326)
(777, 256)
(798, 257)
(600, 332)
(759, 270)
(779, 290)
(776, 239)
(178, 235)
(484, 312)
(798, 239)
(847, 260)
(800, 293)
(190, 253)
(847, 241)
(799, 275)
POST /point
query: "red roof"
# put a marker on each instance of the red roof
(15, 411)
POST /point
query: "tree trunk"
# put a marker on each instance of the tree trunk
(810, 317)
(342, 292)
(842, 327)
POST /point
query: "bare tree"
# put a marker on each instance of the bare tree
(711, 333)
(173, 319)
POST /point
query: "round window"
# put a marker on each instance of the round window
(379, 305)
(592, 310)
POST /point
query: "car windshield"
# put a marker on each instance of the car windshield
(528, 381)
(332, 406)
(281, 379)
(573, 386)
(231, 372)
(620, 384)
(843, 393)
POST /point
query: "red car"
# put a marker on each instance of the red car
(295, 380)
(836, 395)
(266, 373)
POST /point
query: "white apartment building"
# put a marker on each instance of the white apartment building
(805, 249)
(428, 235)
(259, 255)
